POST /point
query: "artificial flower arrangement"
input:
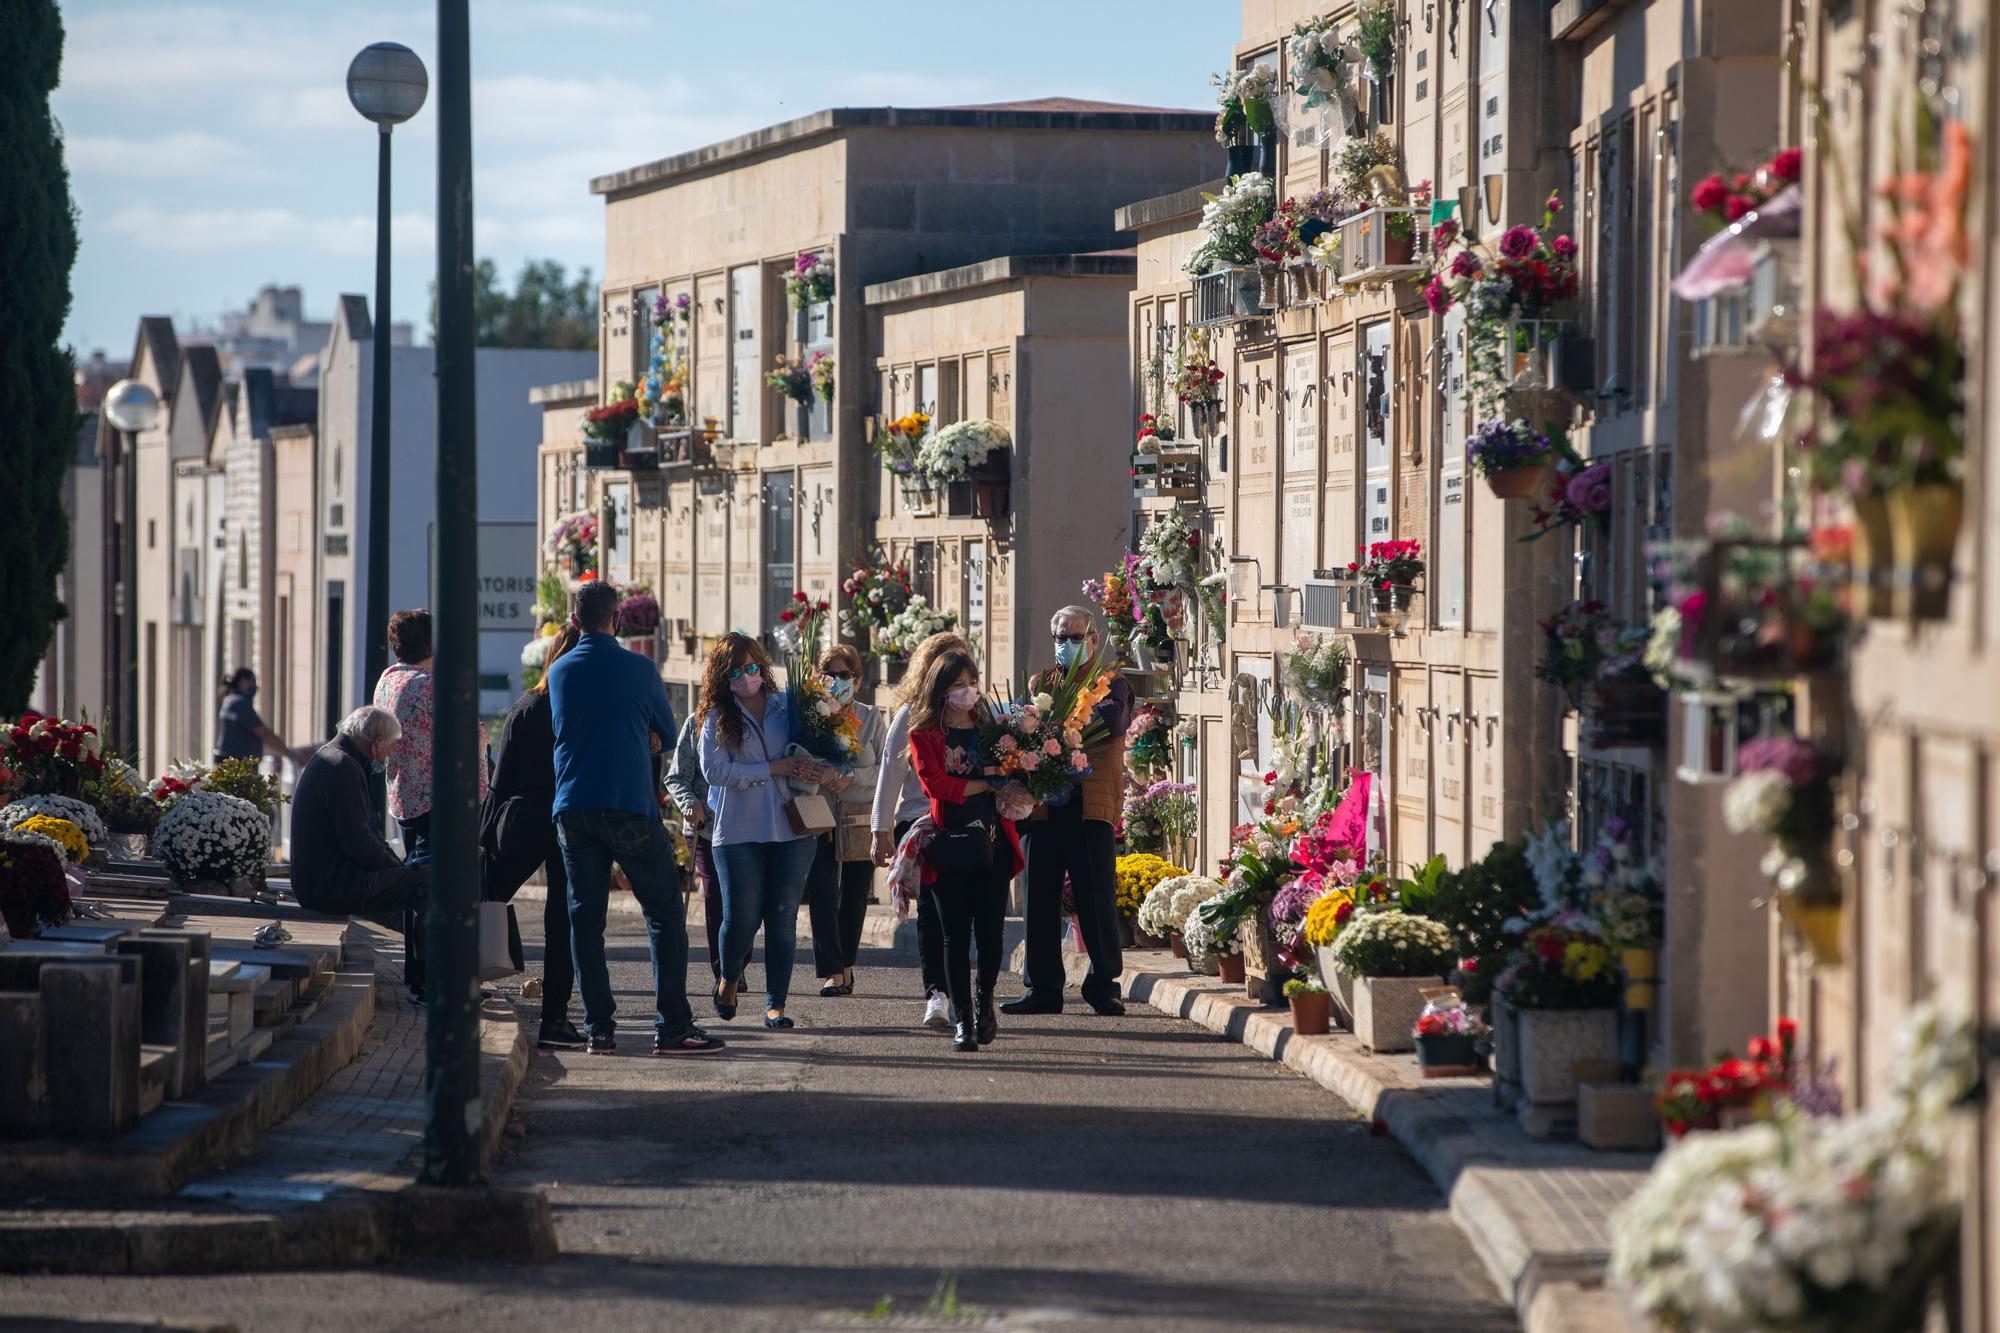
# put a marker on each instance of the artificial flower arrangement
(1508, 449)
(802, 625)
(181, 777)
(207, 837)
(1147, 750)
(50, 755)
(1229, 223)
(1752, 608)
(1154, 431)
(1719, 200)
(1319, 61)
(1575, 642)
(954, 453)
(50, 805)
(811, 280)
(1692, 1099)
(1390, 564)
(1243, 102)
(1357, 156)
(909, 627)
(1112, 593)
(610, 423)
(1784, 790)
(1318, 668)
(1375, 35)
(896, 444)
(241, 778)
(662, 390)
(1625, 897)
(1562, 963)
(1139, 873)
(1801, 1221)
(876, 592)
(1531, 272)
(1170, 552)
(1160, 815)
(119, 794)
(573, 542)
(638, 614)
(1197, 377)
(34, 892)
(1393, 943)
(1452, 1021)
(1276, 241)
(67, 837)
(1579, 492)
(801, 381)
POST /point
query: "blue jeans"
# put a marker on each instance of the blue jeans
(591, 840)
(762, 883)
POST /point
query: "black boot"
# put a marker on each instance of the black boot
(986, 1025)
(963, 1038)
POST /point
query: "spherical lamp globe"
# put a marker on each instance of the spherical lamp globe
(387, 83)
(131, 406)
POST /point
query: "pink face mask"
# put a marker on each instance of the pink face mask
(963, 697)
(745, 687)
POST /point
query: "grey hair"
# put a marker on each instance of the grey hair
(1087, 614)
(369, 725)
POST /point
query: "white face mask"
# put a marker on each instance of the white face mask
(840, 690)
(963, 697)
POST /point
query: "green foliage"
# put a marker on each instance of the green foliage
(545, 309)
(37, 374)
(1375, 35)
(1476, 903)
(1416, 893)
(1298, 986)
(240, 778)
(1357, 156)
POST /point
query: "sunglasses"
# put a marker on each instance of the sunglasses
(1070, 638)
(747, 669)
(838, 675)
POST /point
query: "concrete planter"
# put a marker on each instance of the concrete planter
(1338, 984)
(1552, 1042)
(1386, 1009)
(1506, 1055)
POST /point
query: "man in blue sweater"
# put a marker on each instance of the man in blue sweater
(611, 712)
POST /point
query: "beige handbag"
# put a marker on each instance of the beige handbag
(855, 841)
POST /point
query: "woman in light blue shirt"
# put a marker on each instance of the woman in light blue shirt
(746, 728)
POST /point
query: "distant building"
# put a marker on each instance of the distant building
(94, 377)
(273, 333)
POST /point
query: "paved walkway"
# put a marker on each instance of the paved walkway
(1080, 1174)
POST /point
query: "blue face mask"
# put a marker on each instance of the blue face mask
(375, 766)
(1069, 654)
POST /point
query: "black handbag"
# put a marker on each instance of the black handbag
(968, 847)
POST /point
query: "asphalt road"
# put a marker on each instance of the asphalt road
(1080, 1174)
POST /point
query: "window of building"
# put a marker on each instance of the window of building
(746, 355)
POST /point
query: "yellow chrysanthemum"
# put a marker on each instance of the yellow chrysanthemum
(1328, 914)
(65, 833)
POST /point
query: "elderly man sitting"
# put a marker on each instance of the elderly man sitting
(341, 865)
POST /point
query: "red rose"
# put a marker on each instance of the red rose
(1270, 777)
(1550, 947)
(1270, 807)
(1709, 193)
(1742, 181)
(785, 616)
(1738, 205)
(1786, 165)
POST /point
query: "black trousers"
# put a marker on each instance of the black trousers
(971, 907)
(839, 891)
(503, 877)
(930, 935)
(1067, 843)
(396, 898)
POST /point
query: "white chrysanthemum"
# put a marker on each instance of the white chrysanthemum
(1755, 802)
(209, 836)
(79, 813)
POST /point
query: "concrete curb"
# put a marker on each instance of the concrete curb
(1554, 1280)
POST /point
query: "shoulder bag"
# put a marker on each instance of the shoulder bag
(809, 815)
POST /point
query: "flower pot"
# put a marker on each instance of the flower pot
(1267, 155)
(1144, 939)
(1128, 934)
(1392, 605)
(1230, 968)
(1923, 534)
(1448, 1054)
(1178, 943)
(1516, 483)
(1553, 1041)
(1338, 983)
(1642, 977)
(20, 925)
(1270, 294)
(1868, 559)
(1386, 1009)
(1310, 1013)
(1398, 250)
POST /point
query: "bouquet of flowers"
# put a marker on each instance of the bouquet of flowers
(1319, 61)
(1388, 564)
(1317, 667)
(34, 892)
(76, 812)
(180, 778)
(66, 836)
(611, 423)
(1507, 446)
(1146, 747)
(952, 453)
(242, 779)
(876, 591)
(1024, 740)
(662, 391)
(638, 614)
(1561, 964)
(119, 794)
(821, 728)
(1229, 223)
(1375, 35)
(1719, 200)
(1154, 431)
(1574, 643)
(1170, 552)
(1784, 790)
(573, 542)
(1138, 875)
(1695, 1098)
(810, 281)
(1454, 1021)
(1805, 1222)
(1111, 593)
(1243, 102)
(48, 755)
(1357, 156)
(799, 380)
(907, 628)
(896, 444)
(1579, 492)
(1626, 900)
(1277, 241)
(1197, 378)
(1533, 271)
(206, 837)
(1159, 815)
(802, 625)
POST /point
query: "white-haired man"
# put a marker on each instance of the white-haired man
(341, 864)
(1076, 839)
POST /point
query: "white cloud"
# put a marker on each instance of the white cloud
(182, 155)
(224, 229)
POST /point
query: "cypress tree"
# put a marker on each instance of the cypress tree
(38, 417)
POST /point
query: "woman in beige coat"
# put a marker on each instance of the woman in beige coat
(843, 870)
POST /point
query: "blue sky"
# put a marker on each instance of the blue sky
(212, 149)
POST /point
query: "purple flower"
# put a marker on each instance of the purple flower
(1520, 242)
(1564, 247)
(1465, 264)
(682, 302)
(1590, 489)
(1797, 760)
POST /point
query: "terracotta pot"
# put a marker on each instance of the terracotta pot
(1311, 1013)
(1868, 557)
(1230, 968)
(1398, 249)
(1516, 483)
(1923, 535)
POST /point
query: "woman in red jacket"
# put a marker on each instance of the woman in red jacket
(974, 851)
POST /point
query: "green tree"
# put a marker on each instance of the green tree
(545, 309)
(37, 373)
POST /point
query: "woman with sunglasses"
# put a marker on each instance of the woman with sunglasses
(761, 862)
(843, 869)
(975, 851)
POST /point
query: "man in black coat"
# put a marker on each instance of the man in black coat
(341, 864)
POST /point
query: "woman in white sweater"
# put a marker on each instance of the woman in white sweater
(842, 869)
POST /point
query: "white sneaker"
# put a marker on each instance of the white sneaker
(937, 1012)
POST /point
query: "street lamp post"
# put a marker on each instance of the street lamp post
(130, 406)
(387, 84)
(451, 1066)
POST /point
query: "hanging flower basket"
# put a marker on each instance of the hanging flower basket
(1521, 483)
(1924, 519)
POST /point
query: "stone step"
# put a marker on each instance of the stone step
(103, 936)
(274, 1000)
(155, 1066)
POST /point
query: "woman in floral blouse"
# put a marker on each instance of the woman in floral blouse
(406, 690)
